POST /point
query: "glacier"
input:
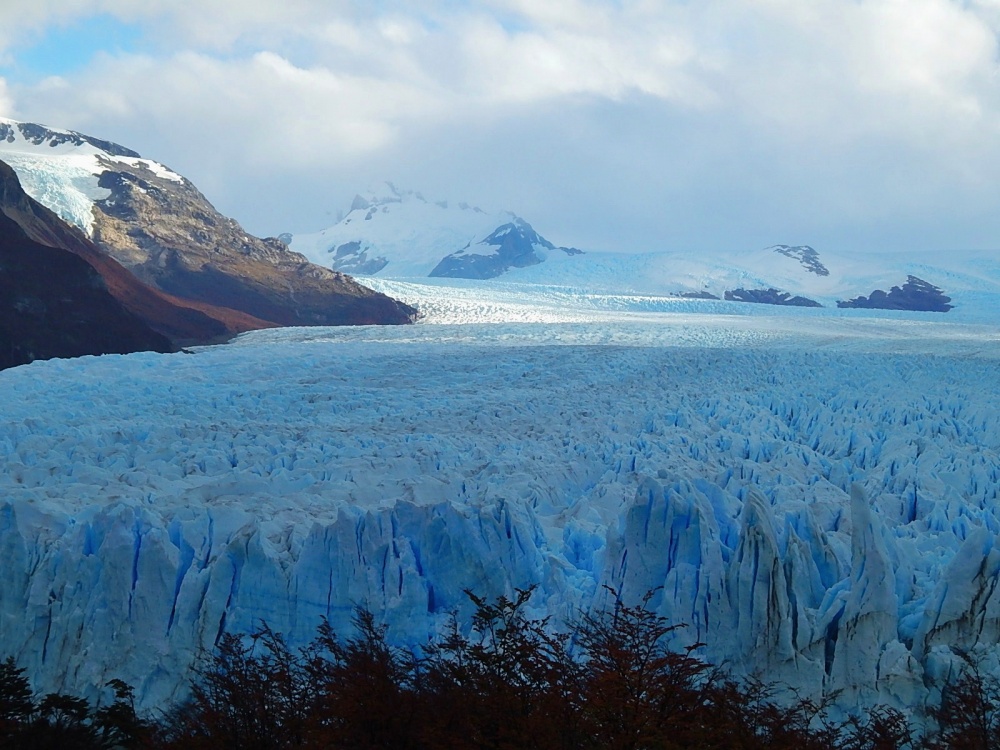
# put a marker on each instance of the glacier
(61, 169)
(812, 494)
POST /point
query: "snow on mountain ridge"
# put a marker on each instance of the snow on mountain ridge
(61, 169)
(39, 135)
(400, 228)
(400, 233)
(386, 192)
(39, 140)
(971, 278)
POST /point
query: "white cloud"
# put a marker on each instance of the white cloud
(7, 108)
(262, 108)
(875, 59)
(502, 66)
(876, 112)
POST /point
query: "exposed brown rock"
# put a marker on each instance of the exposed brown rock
(171, 237)
(181, 321)
(52, 302)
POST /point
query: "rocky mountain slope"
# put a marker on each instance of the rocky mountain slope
(400, 233)
(181, 321)
(159, 226)
(53, 303)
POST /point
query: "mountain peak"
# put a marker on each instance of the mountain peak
(386, 193)
(405, 234)
(36, 134)
(159, 226)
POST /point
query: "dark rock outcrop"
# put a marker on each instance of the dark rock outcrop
(697, 295)
(351, 258)
(769, 297)
(39, 134)
(915, 295)
(805, 255)
(53, 303)
(514, 246)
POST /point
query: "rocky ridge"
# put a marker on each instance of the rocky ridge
(512, 245)
(770, 296)
(159, 226)
(53, 303)
(170, 236)
(916, 294)
(805, 255)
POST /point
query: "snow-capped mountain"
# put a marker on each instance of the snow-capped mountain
(156, 223)
(53, 303)
(400, 233)
(395, 234)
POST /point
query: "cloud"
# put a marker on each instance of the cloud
(7, 108)
(696, 122)
(229, 116)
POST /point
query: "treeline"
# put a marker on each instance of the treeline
(511, 683)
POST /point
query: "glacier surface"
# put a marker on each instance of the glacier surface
(813, 494)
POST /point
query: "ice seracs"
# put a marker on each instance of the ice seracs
(817, 504)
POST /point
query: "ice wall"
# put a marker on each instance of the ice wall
(827, 520)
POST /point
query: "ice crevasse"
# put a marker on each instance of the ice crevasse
(822, 520)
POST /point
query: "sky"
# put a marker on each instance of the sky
(618, 125)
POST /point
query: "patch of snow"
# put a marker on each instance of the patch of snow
(65, 177)
(155, 167)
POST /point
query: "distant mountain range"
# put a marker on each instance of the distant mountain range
(195, 275)
(400, 234)
(789, 275)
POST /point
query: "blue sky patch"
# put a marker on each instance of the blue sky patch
(61, 50)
